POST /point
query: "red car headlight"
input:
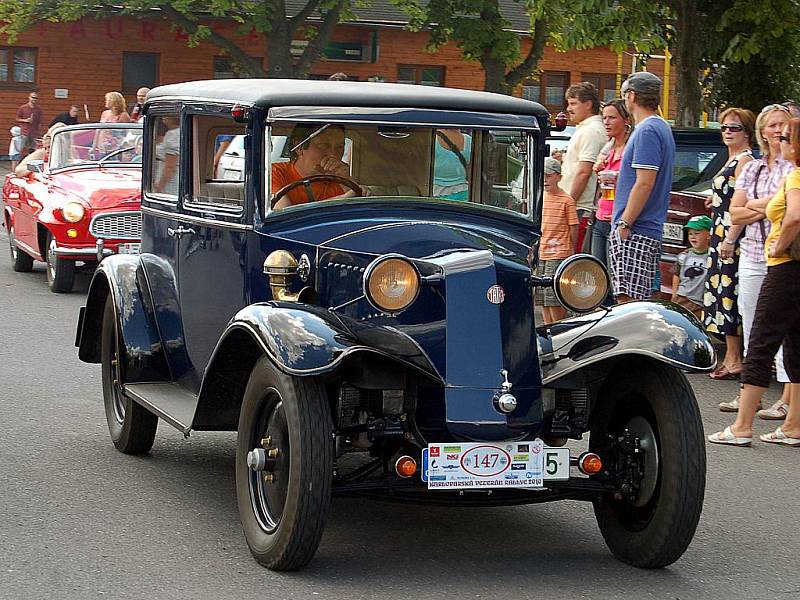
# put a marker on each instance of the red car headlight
(73, 212)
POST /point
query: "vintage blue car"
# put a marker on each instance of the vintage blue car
(358, 306)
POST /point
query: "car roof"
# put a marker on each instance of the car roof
(268, 93)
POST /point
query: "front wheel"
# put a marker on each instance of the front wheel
(652, 527)
(132, 427)
(60, 272)
(20, 261)
(284, 466)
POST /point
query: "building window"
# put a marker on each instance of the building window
(606, 85)
(17, 65)
(227, 68)
(548, 90)
(420, 75)
(139, 69)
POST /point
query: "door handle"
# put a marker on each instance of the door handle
(180, 231)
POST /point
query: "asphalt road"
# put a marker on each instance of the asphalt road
(80, 520)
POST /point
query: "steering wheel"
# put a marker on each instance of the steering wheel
(345, 181)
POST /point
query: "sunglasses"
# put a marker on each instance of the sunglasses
(785, 138)
(771, 107)
(732, 128)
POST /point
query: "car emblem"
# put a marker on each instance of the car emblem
(495, 294)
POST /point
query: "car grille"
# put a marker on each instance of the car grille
(117, 226)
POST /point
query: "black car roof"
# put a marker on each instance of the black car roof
(268, 93)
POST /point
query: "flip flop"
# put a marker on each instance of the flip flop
(778, 437)
(723, 373)
(727, 437)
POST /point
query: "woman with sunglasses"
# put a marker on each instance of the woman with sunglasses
(756, 185)
(618, 123)
(720, 315)
(777, 316)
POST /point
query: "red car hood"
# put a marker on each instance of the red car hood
(103, 188)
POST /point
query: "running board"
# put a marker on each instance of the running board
(169, 401)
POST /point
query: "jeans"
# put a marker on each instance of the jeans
(600, 233)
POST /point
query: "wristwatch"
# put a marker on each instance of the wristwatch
(623, 224)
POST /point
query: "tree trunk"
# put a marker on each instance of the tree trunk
(687, 64)
(494, 68)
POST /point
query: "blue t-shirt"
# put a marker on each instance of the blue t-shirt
(651, 147)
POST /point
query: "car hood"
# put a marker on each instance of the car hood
(102, 188)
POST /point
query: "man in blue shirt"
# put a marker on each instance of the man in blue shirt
(642, 194)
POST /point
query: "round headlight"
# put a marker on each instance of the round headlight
(391, 284)
(73, 212)
(581, 283)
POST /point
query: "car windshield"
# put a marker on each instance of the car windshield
(478, 166)
(112, 145)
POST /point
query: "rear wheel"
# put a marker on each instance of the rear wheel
(132, 427)
(60, 272)
(20, 261)
(653, 527)
(284, 466)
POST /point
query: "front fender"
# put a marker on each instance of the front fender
(659, 330)
(123, 278)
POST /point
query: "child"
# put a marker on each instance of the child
(689, 273)
(559, 235)
(16, 146)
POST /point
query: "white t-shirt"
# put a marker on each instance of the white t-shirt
(585, 145)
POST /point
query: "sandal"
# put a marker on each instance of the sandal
(778, 437)
(724, 373)
(776, 412)
(727, 437)
(733, 406)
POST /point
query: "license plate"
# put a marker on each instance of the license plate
(132, 248)
(232, 175)
(493, 465)
(673, 232)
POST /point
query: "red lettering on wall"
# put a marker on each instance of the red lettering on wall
(113, 28)
(148, 30)
(77, 31)
(181, 36)
(253, 37)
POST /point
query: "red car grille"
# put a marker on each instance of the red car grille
(117, 226)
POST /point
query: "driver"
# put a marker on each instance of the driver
(314, 150)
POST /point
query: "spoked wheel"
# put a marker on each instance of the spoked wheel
(132, 427)
(652, 527)
(20, 261)
(284, 466)
(60, 272)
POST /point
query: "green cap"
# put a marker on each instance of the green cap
(699, 222)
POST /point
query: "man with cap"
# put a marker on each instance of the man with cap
(690, 271)
(559, 233)
(642, 194)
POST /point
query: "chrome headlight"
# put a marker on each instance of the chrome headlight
(73, 212)
(391, 283)
(581, 283)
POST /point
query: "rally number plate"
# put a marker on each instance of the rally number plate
(132, 248)
(493, 465)
(673, 233)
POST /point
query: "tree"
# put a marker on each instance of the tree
(483, 33)
(264, 16)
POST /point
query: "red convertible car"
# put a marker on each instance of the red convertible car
(79, 205)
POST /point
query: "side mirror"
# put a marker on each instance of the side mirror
(35, 166)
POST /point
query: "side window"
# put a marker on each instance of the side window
(218, 161)
(504, 169)
(165, 155)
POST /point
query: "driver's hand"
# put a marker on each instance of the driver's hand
(334, 166)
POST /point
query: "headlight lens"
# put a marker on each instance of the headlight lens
(581, 283)
(73, 212)
(391, 284)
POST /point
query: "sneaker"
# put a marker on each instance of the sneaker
(776, 412)
(733, 406)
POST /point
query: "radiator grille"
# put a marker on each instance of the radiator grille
(117, 226)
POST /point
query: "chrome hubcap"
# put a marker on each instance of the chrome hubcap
(268, 464)
(51, 260)
(12, 243)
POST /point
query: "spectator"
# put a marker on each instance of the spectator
(167, 155)
(136, 110)
(29, 117)
(115, 109)
(451, 164)
(39, 154)
(618, 125)
(558, 154)
(580, 180)
(720, 311)
(689, 274)
(338, 77)
(16, 146)
(758, 182)
(777, 317)
(559, 230)
(642, 195)
(69, 117)
(222, 144)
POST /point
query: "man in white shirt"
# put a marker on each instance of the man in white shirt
(579, 179)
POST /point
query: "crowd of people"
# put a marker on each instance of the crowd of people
(739, 276)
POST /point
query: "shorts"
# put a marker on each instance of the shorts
(633, 264)
(545, 296)
(16, 156)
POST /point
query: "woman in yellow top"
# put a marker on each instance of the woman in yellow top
(777, 318)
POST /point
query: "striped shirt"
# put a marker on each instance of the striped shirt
(558, 214)
(759, 181)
